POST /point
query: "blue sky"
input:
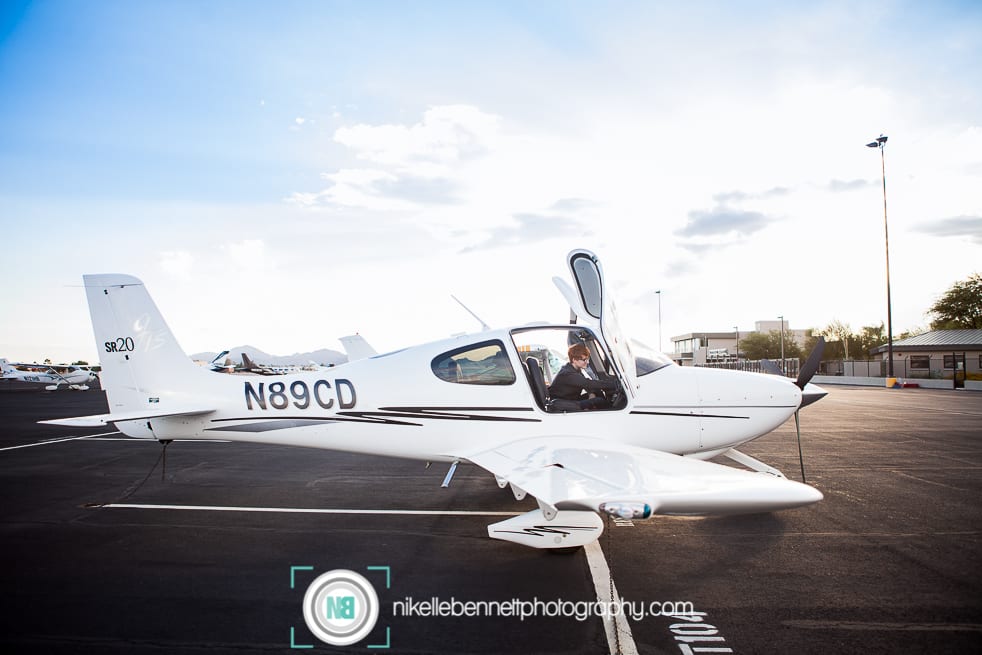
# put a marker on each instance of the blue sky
(282, 174)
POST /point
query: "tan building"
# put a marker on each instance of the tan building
(936, 354)
(701, 348)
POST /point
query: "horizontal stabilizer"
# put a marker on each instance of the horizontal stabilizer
(97, 420)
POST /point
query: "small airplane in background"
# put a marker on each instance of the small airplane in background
(228, 366)
(267, 369)
(249, 366)
(356, 347)
(481, 399)
(51, 376)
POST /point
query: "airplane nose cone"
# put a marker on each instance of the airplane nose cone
(812, 393)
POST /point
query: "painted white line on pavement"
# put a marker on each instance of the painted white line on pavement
(54, 441)
(619, 637)
(306, 510)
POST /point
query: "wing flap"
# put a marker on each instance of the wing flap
(583, 473)
(97, 420)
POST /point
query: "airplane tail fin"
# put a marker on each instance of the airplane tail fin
(356, 347)
(5, 366)
(143, 367)
(247, 362)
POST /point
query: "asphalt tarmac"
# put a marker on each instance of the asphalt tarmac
(890, 561)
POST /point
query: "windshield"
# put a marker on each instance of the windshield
(647, 360)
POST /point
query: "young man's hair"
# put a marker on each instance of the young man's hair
(578, 351)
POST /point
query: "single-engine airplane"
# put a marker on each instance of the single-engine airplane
(51, 376)
(480, 399)
(265, 369)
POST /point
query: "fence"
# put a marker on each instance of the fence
(908, 367)
(791, 366)
(924, 367)
(912, 367)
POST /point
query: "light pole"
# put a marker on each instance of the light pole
(783, 370)
(659, 320)
(736, 329)
(880, 143)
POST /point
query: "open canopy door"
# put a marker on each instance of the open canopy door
(596, 307)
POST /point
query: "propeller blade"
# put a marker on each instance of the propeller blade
(811, 364)
(801, 459)
(806, 373)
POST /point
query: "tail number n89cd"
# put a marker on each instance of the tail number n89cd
(281, 395)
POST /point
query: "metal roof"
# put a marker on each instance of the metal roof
(939, 340)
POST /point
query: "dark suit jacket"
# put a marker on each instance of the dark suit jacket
(569, 384)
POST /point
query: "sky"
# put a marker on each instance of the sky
(283, 174)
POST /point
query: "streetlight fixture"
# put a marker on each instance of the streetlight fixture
(783, 370)
(659, 320)
(880, 144)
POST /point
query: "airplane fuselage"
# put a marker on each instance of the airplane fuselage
(384, 405)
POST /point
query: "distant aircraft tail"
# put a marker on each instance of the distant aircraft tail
(356, 347)
(5, 366)
(247, 362)
(144, 369)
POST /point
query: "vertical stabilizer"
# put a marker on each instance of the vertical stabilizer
(357, 348)
(248, 364)
(143, 367)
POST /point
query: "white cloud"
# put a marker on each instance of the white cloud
(955, 226)
(177, 263)
(445, 136)
(413, 166)
(248, 254)
(363, 188)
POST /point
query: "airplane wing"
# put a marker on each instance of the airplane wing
(586, 473)
(97, 420)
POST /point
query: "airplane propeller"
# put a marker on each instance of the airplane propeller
(808, 371)
(805, 375)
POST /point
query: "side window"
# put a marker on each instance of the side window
(480, 363)
(920, 361)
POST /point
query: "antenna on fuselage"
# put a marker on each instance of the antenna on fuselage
(484, 326)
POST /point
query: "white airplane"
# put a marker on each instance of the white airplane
(228, 366)
(356, 347)
(478, 399)
(52, 376)
(262, 369)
